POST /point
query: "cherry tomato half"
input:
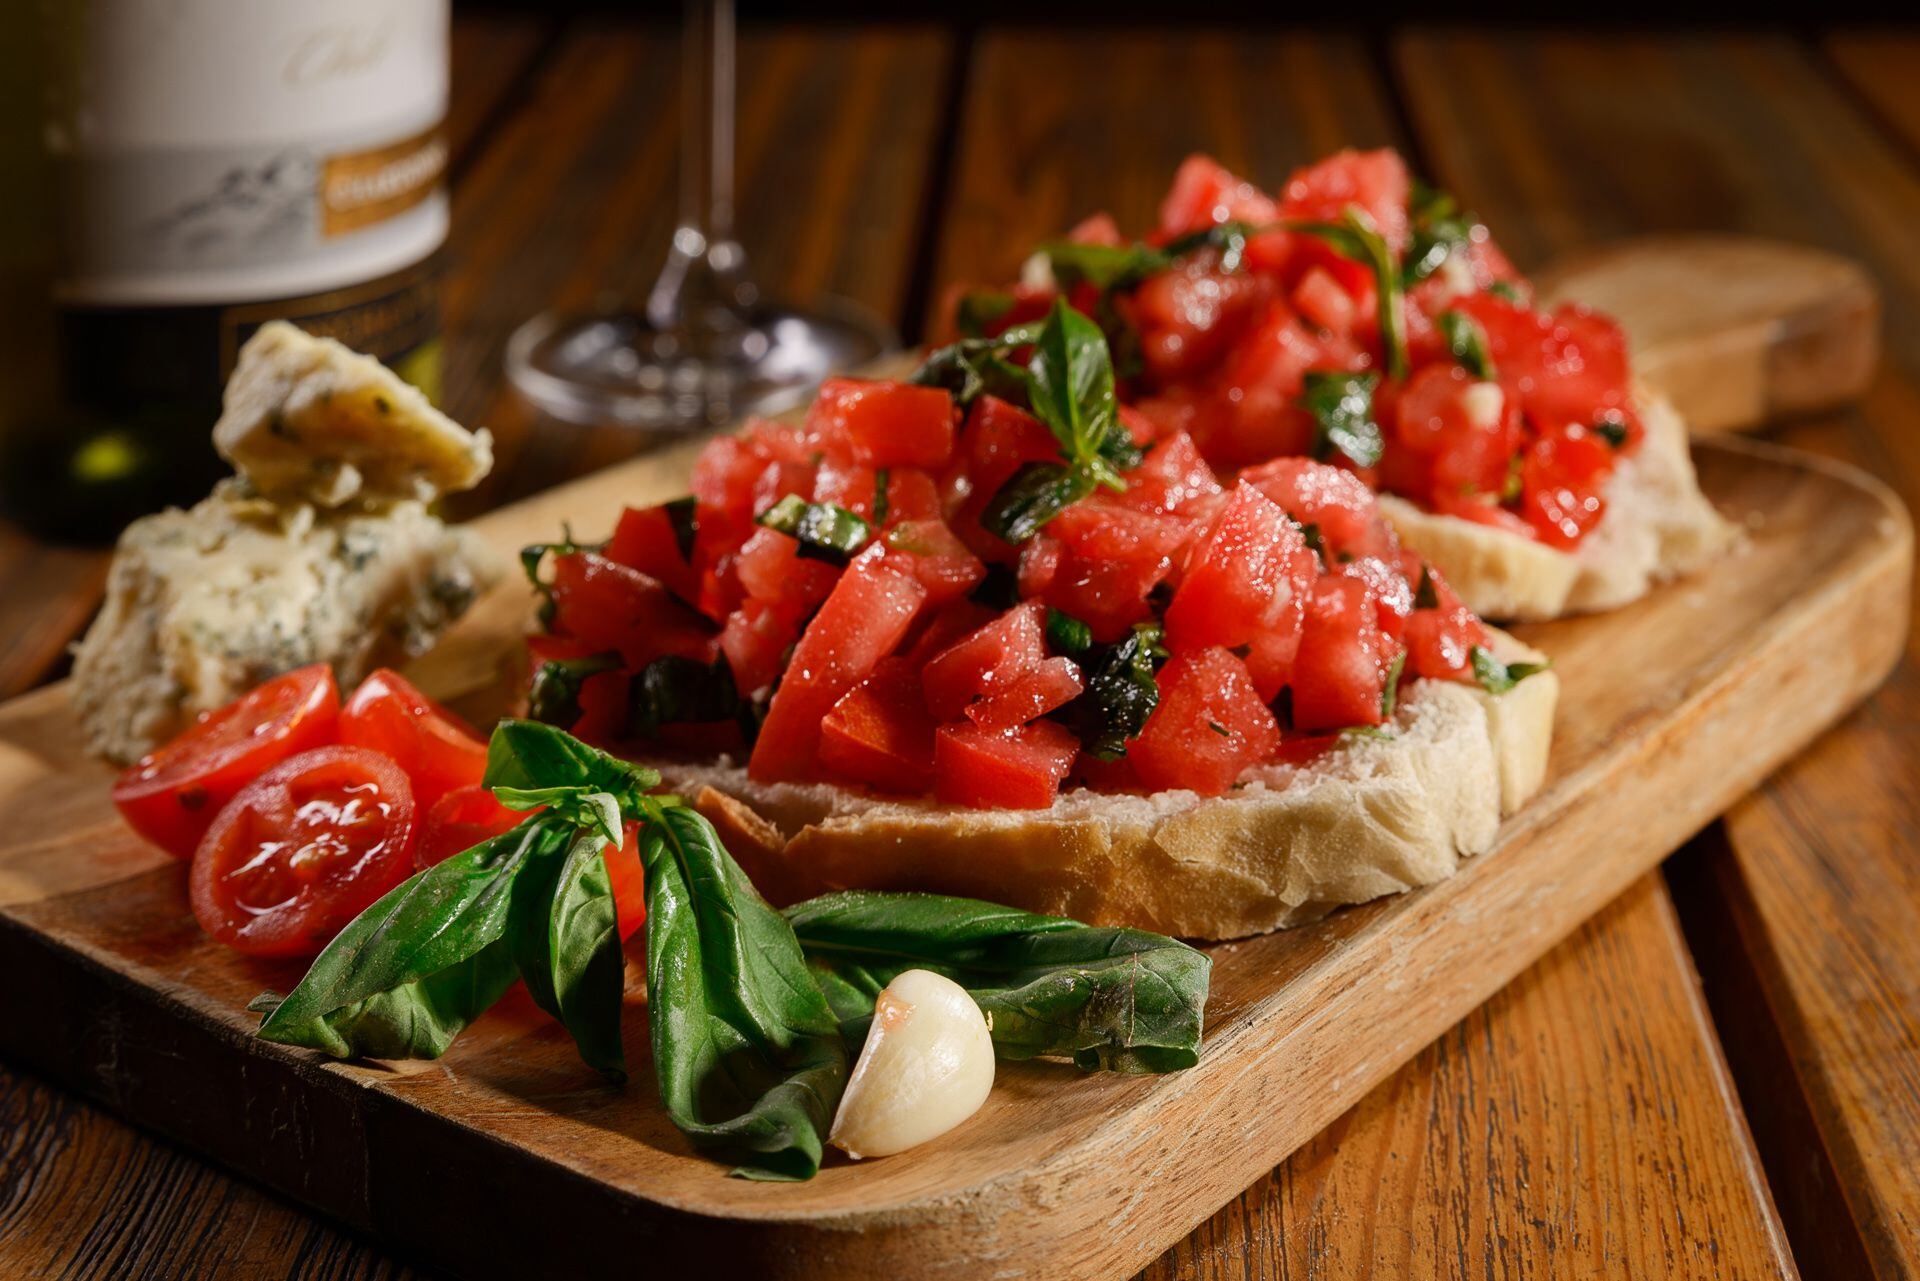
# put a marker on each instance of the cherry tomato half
(467, 816)
(435, 748)
(302, 850)
(174, 793)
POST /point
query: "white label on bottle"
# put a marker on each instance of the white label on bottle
(229, 150)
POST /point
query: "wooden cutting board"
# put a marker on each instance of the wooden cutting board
(510, 1155)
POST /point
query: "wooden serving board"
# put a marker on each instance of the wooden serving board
(509, 1154)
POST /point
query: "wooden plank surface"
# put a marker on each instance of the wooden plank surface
(1670, 709)
(177, 1192)
(1328, 1207)
(1807, 920)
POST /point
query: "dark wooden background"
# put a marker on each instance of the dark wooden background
(1609, 1112)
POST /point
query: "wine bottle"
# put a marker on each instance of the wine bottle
(217, 164)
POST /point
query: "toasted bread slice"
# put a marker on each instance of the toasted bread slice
(1657, 525)
(1372, 816)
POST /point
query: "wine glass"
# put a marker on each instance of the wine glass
(703, 348)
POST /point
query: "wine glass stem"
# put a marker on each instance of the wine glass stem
(703, 288)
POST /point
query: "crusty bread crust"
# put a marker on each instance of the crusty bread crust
(1657, 525)
(1372, 816)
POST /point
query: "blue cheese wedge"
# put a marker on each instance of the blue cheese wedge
(306, 419)
(321, 549)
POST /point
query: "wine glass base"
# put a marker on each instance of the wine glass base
(615, 368)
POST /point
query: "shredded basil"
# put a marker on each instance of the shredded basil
(1357, 237)
(1505, 289)
(1390, 693)
(1468, 343)
(1035, 495)
(825, 531)
(1120, 693)
(1343, 422)
(980, 310)
(683, 516)
(672, 690)
(554, 697)
(1497, 677)
(1440, 229)
(1611, 430)
(1067, 634)
(1426, 595)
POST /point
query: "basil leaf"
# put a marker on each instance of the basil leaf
(1426, 595)
(1497, 677)
(1440, 230)
(564, 937)
(1105, 267)
(683, 515)
(1070, 389)
(526, 756)
(882, 478)
(673, 690)
(1033, 496)
(1067, 634)
(1505, 289)
(554, 697)
(407, 974)
(1342, 409)
(1468, 343)
(1120, 694)
(825, 531)
(1390, 692)
(747, 1053)
(1355, 236)
(1120, 1000)
(975, 367)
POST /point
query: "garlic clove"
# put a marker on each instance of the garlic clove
(927, 1065)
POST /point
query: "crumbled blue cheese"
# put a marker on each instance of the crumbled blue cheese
(204, 604)
(306, 419)
(321, 549)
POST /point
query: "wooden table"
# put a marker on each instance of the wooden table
(1717, 1076)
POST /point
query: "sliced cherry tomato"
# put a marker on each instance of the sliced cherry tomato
(434, 748)
(302, 850)
(174, 793)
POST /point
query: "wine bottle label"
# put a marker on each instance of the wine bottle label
(222, 151)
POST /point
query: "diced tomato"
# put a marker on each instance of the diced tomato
(755, 641)
(1171, 476)
(997, 441)
(1039, 562)
(1560, 485)
(859, 624)
(172, 794)
(884, 424)
(1242, 577)
(1319, 297)
(771, 568)
(879, 733)
(1339, 675)
(1112, 557)
(1392, 595)
(1467, 429)
(1335, 502)
(1016, 769)
(627, 878)
(604, 708)
(1189, 316)
(1097, 229)
(1050, 683)
(854, 486)
(935, 630)
(1208, 728)
(985, 662)
(1440, 638)
(1204, 193)
(434, 748)
(303, 849)
(646, 540)
(607, 606)
(727, 475)
(933, 555)
(911, 495)
(1376, 181)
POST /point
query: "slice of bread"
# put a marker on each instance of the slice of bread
(1371, 816)
(1657, 525)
